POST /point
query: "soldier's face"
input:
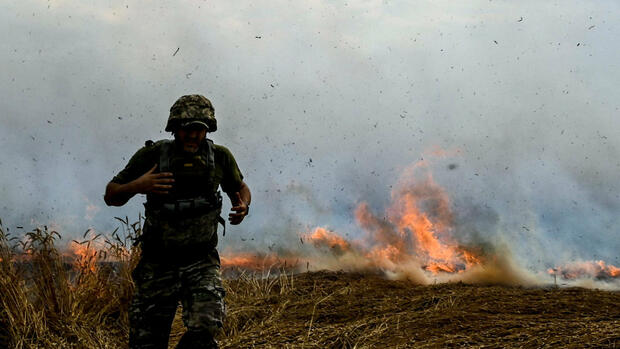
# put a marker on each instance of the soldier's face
(191, 137)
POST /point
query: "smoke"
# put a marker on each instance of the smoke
(324, 105)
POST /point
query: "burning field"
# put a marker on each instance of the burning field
(74, 303)
(410, 279)
(417, 238)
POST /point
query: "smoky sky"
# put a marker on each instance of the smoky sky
(324, 104)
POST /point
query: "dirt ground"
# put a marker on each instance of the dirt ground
(349, 310)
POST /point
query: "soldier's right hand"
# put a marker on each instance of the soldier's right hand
(154, 183)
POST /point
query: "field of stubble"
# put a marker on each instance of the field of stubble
(347, 310)
(48, 301)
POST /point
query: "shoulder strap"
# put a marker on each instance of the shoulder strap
(165, 153)
(210, 154)
(211, 165)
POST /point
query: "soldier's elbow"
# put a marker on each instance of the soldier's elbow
(108, 201)
(109, 198)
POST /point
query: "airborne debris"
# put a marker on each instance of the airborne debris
(520, 19)
(175, 52)
(258, 37)
(591, 27)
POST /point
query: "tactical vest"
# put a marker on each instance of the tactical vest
(193, 173)
(193, 191)
(182, 226)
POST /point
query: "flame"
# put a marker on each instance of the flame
(423, 230)
(416, 229)
(417, 226)
(385, 240)
(586, 269)
(414, 237)
(323, 237)
(254, 261)
(388, 253)
(84, 256)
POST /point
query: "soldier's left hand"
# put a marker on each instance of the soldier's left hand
(240, 209)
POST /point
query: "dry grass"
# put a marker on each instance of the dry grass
(51, 301)
(348, 310)
(47, 303)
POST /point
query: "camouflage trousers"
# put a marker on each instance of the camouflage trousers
(159, 288)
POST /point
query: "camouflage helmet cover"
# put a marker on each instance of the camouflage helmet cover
(191, 108)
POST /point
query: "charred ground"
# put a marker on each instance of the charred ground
(336, 309)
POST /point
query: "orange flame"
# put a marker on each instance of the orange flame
(414, 237)
(254, 261)
(418, 225)
(416, 229)
(323, 237)
(85, 256)
(586, 269)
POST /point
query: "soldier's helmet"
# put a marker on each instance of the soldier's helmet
(191, 109)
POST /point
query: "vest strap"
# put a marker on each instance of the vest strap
(165, 153)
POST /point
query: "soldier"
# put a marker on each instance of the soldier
(179, 259)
